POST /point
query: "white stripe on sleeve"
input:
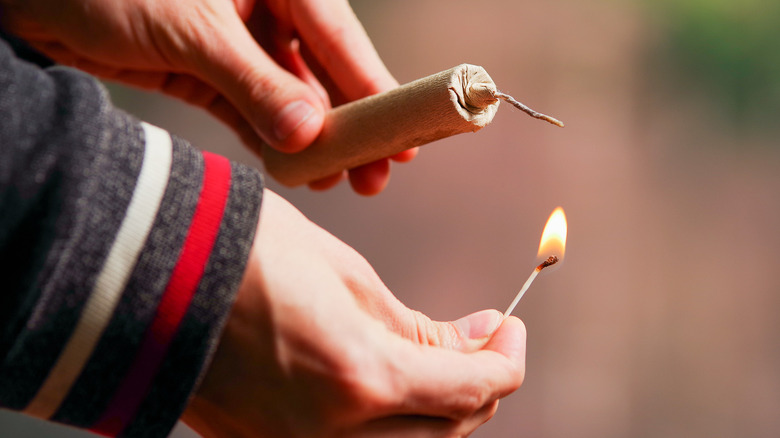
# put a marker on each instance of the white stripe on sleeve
(122, 258)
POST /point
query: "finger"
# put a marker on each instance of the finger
(195, 92)
(450, 384)
(370, 179)
(16, 20)
(405, 156)
(58, 52)
(293, 60)
(340, 44)
(328, 182)
(423, 426)
(472, 332)
(286, 112)
(276, 35)
(224, 110)
(467, 334)
(336, 96)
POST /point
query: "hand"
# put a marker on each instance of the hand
(317, 346)
(268, 69)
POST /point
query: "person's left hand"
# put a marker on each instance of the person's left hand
(268, 69)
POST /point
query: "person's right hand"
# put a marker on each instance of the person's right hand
(317, 346)
(270, 69)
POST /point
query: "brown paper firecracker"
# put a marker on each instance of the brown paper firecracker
(461, 99)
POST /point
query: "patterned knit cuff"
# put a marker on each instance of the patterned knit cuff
(215, 230)
(148, 328)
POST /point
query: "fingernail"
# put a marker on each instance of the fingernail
(291, 117)
(480, 324)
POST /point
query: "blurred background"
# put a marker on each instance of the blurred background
(663, 320)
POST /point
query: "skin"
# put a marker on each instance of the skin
(335, 354)
(253, 65)
(315, 345)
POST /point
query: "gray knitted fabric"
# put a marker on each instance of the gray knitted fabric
(71, 167)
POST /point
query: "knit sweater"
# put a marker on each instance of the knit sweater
(121, 250)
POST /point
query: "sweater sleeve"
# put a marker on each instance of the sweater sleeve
(121, 250)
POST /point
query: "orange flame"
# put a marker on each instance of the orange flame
(554, 236)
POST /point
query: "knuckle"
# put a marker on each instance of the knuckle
(262, 87)
(425, 331)
(435, 334)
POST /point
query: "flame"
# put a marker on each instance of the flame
(554, 236)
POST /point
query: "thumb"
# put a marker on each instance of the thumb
(479, 325)
(284, 111)
(466, 334)
(476, 329)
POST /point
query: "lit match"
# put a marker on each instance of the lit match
(551, 248)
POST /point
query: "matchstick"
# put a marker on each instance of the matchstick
(550, 261)
(461, 99)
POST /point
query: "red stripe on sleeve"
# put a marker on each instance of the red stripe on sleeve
(175, 300)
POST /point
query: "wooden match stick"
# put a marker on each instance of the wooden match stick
(461, 99)
(549, 262)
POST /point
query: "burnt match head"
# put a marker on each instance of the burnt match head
(553, 259)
